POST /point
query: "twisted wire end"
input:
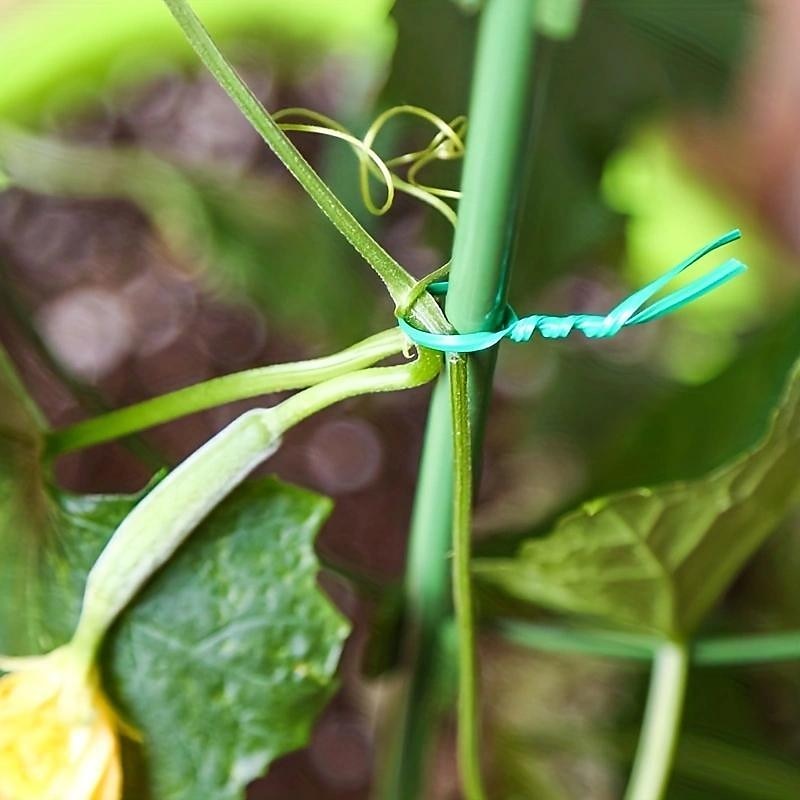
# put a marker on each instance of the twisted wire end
(631, 311)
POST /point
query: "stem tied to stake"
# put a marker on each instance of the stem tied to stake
(498, 115)
(469, 753)
(399, 282)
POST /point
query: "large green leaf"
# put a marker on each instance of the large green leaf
(25, 509)
(658, 559)
(227, 655)
(230, 652)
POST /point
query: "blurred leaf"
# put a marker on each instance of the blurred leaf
(382, 650)
(62, 49)
(582, 712)
(252, 236)
(25, 508)
(658, 559)
(558, 19)
(628, 59)
(264, 244)
(432, 59)
(694, 429)
(520, 773)
(706, 767)
(670, 208)
(696, 42)
(227, 655)
(728, 770)
(729, 747)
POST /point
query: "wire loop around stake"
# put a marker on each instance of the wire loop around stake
(628, 312)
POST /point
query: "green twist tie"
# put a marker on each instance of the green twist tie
(628, 312)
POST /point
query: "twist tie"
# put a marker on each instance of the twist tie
(628, 312)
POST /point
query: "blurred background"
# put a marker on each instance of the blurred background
(148, 240)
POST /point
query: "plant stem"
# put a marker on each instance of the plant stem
(469, 754)
(711, 651)
(160, 522)
(374, 380)
(227, 389)
(748, 649)
(499, 109)
(396, 279)
(660, 728)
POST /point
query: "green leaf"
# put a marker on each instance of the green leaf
(25, 508)
(242, 670)
(558, 19)
(228, 654)
(658, 559)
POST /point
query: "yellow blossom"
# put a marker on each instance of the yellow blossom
(58, 733)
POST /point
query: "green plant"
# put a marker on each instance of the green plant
(195, 647)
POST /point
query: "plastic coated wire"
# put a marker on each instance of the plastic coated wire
(629, 312)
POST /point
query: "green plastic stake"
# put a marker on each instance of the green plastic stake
(498, 114)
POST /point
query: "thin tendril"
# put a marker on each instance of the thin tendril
(446, 145)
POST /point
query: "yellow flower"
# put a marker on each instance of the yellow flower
(58, 733)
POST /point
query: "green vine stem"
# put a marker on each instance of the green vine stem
(662, 717)
(227, 389)
(469, 752)
(498, 115)
(747, 649)
(396, 279)
(160, 522)
(373, 380)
